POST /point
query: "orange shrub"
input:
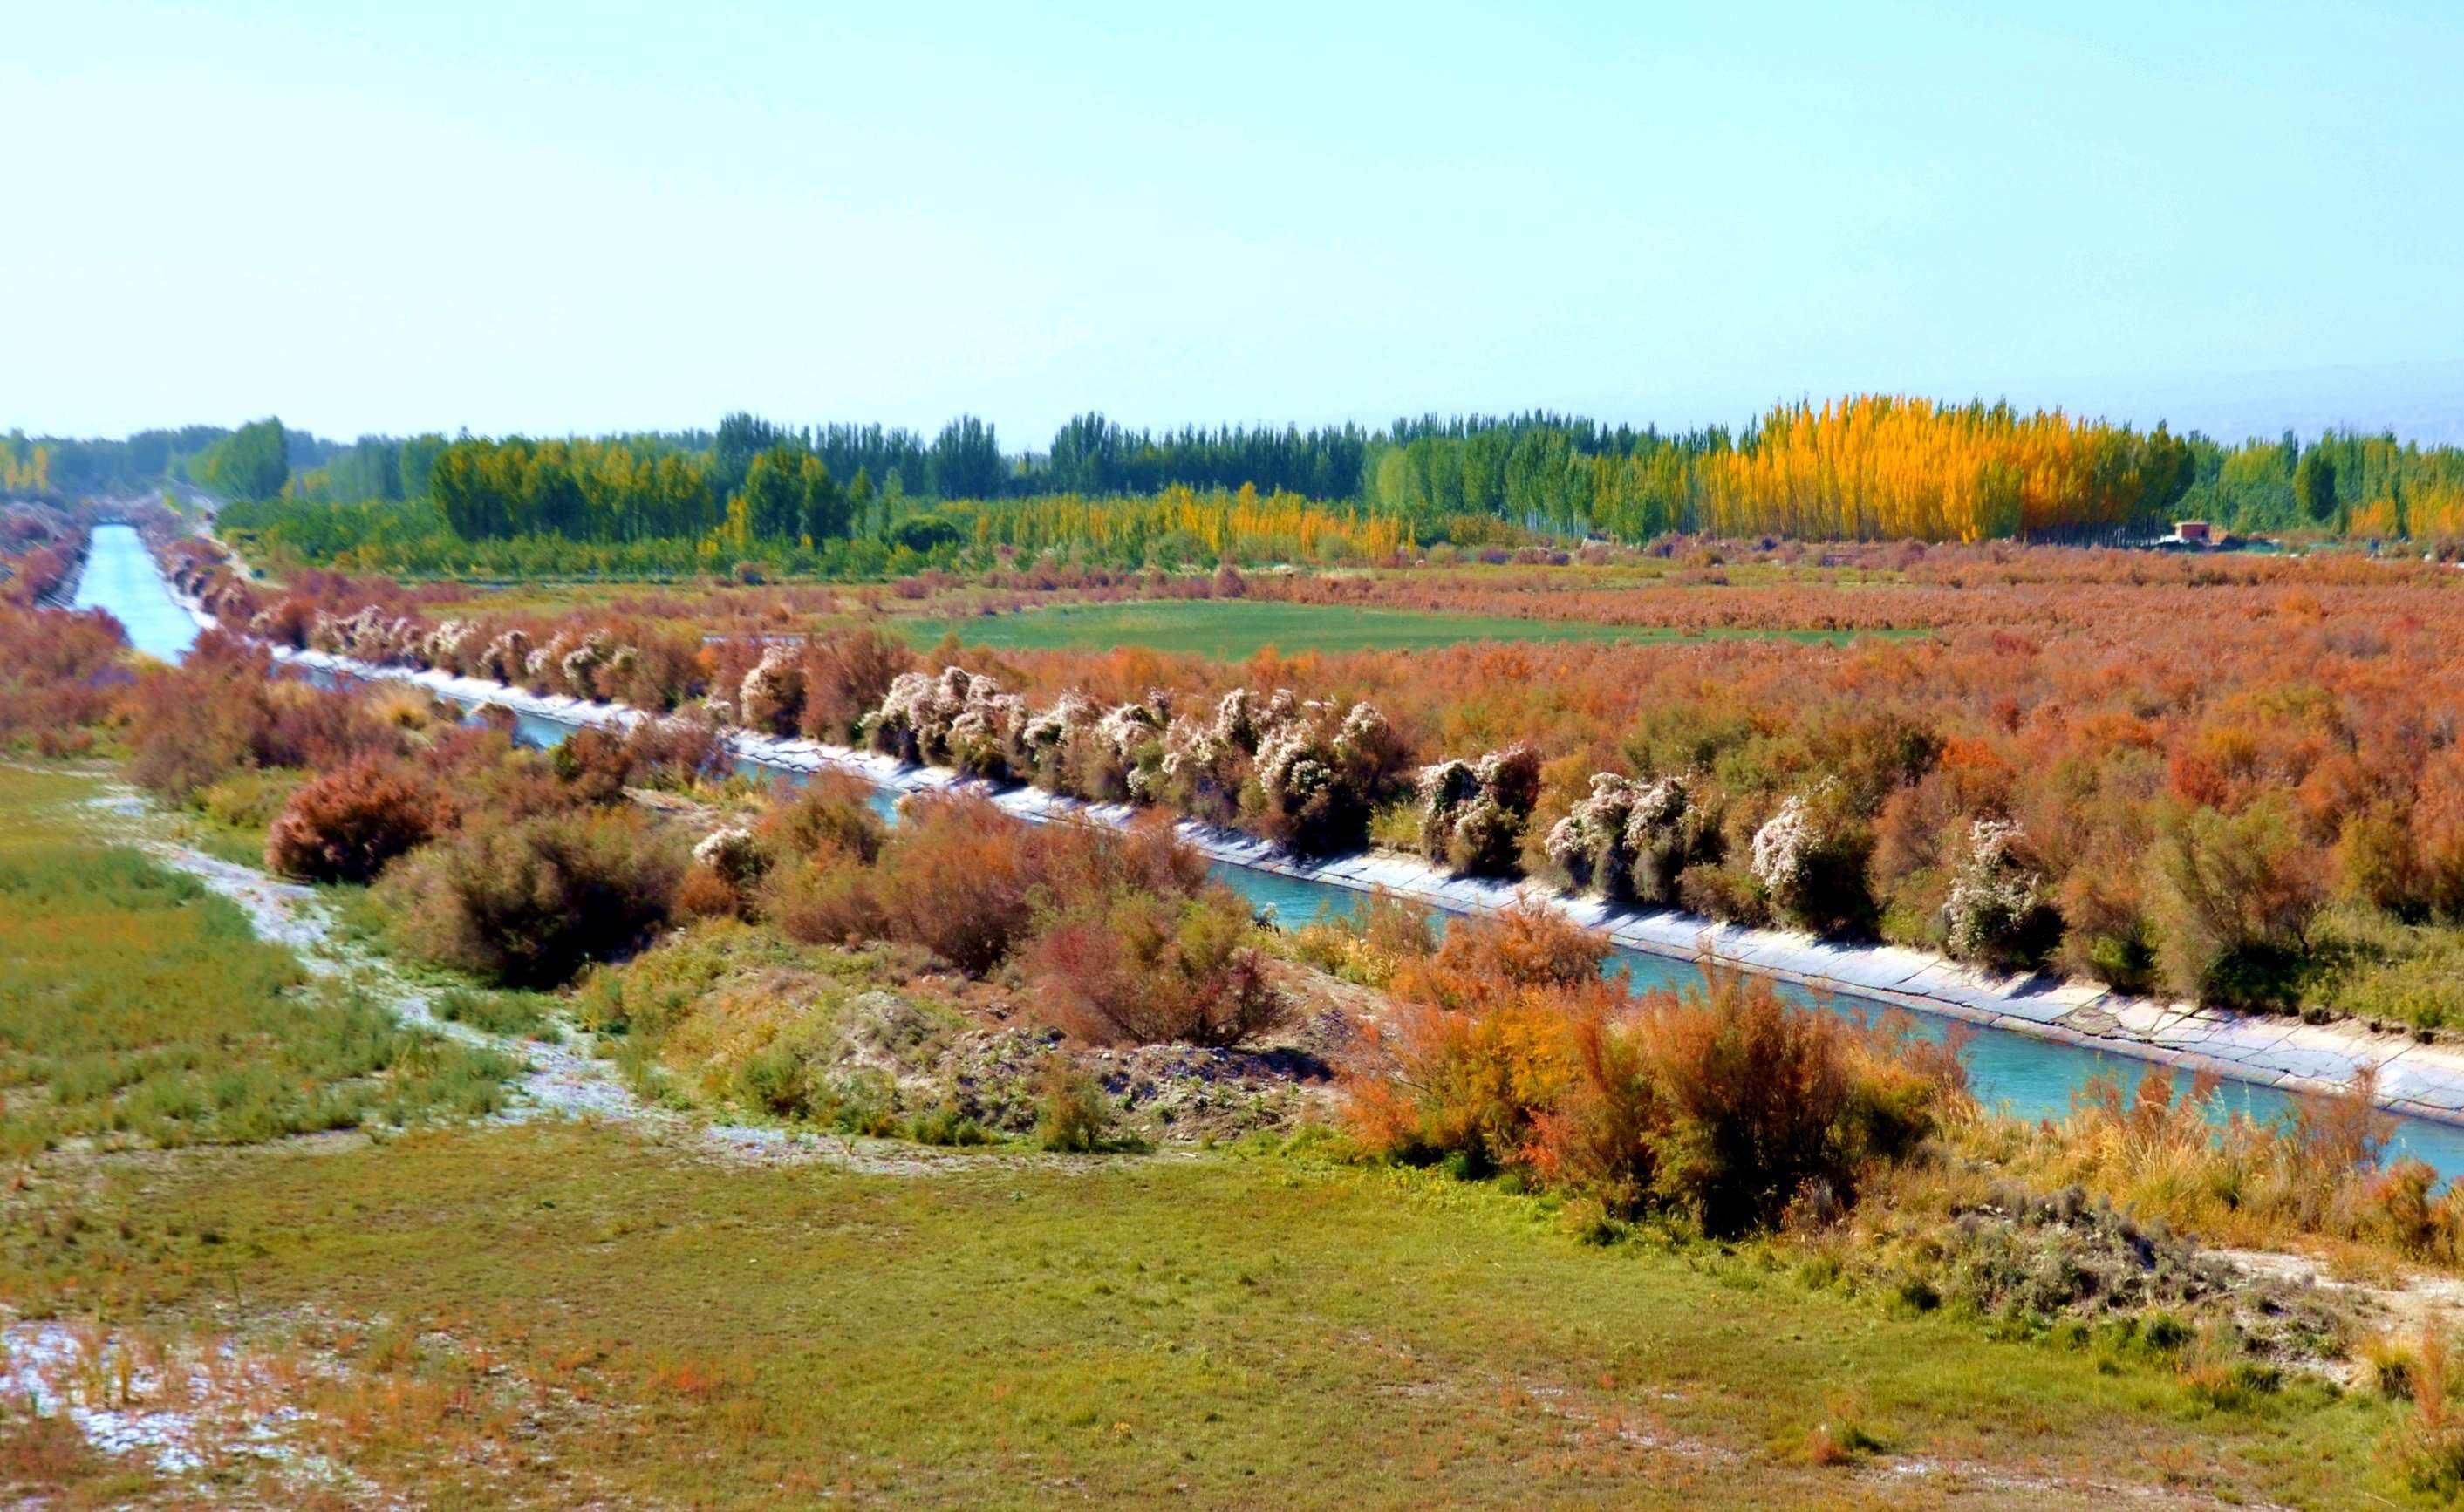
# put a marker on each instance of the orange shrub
(826, 896)
(1139, 968)
(1472, 1087)
(958, 878)
(830, 812)
(845, 678)
(1486, 960)
(1726, 1105)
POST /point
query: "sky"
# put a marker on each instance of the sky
(556, 217)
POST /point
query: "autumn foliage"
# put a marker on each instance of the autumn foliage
(349, 823)
(2146, 740)
(1511, 1053)
(528, 903)
(1120, 935)
(57, 676)
(1881, 467)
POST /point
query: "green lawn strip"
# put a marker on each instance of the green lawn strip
(1234, 628)
(1218, 1329)
(139, 1008)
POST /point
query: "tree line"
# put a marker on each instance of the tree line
(1863, 468)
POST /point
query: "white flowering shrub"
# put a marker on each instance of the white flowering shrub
(1587, 846)
(772, 695)
(1997, 912)
(446, 644)
(1241, 720)
(1118, 755)
(1317, 776)
(507, 658)
(1200, 772)
(982, 737)
(542, 661)
(1308, 774)
(1812, 866)
(1633, 839)
(1130, 727)
(1782, 847)
(1666, 831)
(365, 634)
(1045, 739)
(959, 718)
(580, 669)
(1444, 788)
(734, 855)
(1473, 814)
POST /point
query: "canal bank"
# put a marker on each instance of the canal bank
(2036, 1040)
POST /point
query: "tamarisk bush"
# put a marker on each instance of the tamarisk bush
(1317, 776)
(527, 904)
(959, 718)
(771, 698)
(1133, 969)
(2234, 896)
(1633, 839)
(1996, 913)
(1473, 813)
(348, 825)
(1812, 864)
(1727, 1107)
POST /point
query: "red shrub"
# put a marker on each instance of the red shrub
(1141, 969)
(845, 677)
(58, 672)
(222, 709)
(347, 824)
(959, 878)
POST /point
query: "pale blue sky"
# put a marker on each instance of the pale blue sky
(558, 216)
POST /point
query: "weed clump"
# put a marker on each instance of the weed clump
(2428, 1448)
(1073, 1115)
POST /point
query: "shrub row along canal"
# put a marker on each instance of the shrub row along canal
(2029, 1076)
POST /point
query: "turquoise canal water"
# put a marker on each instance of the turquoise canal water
(120, 576)
(2028, 1077)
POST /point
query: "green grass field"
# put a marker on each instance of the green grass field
(137, 1008)
(1207, 1329)
(1232, 628)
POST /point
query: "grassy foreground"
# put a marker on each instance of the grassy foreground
(1232, 628)
(1224, 1330)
